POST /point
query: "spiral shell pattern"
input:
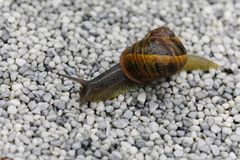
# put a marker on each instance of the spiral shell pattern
(159, 54)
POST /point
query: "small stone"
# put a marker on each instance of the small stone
(141, 97)
(93, 56)
(227, 130)
(59, 104)
(90, 120)
(100, 106)
(47, 97)
(65, 20)
(120, 98)
(152, 107)
(140, 143)
(187, 141)
(201, 94)
(205, 148)
(134, 133)
(11, 19)
(115, 155)
(109, 109)
(236, 118)
(215, 99)
(120, 123)
(215, 128)
(237, 131)
(57, 59)
(206, 39)
(235, 137)
(128, 114)
(97, 153)
(215, 150)
(163, 157)
(232, 155)
(154, 136)
(42, 106)
(13, 75)
(12, 109)
(56, 3)
(193, 156)
(65, 97)
(162, 131)
(5, 35)
(14, 102)
(107, 53)
(24, 98)
(20, 62)
(51, 64)
(178, 153)
(18, 127)
(237, 99)
(17, 86)
(3, 103)
(32, 105)
(154, 126)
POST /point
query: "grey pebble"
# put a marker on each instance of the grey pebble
(42, 106)
(109, 109)
(215, 150)
(128, 114)
(140, 143)
(24, 98)
(120, 123)
(59, 104)
(237, 118)
(201, 94)
(152, 106)
(5, 35)
(47, 97)
(115, 155)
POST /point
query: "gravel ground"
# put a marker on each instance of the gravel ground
(188, 116)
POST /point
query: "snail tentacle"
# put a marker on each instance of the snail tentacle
(77, 79)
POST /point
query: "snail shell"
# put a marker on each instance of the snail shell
(159, 54)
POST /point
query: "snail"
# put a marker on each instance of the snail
(159, 54)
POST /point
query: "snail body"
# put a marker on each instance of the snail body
(159, 54)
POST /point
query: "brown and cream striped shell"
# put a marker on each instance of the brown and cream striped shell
(159, 54)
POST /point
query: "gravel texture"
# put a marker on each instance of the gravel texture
(191, 115)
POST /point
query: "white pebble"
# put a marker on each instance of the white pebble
(51, 64)
(178, 153)
(17, 86)
(237, 131)
(227, 130)
(90, 120)
(11, 19)
(12, 109)
(215, 150)
(100, 106)
(237, 118)
(188, 141)
(154, 126)
(14, 102)
(215, 128)
(120, 123)
(141, 97)
(20, 62)
(154, 136)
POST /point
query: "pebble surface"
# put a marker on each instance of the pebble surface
(191, 115)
